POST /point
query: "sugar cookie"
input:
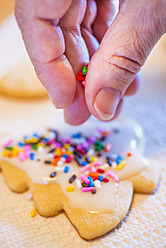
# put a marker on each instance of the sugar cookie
(17, 75)
(21, 81)
(91, 175)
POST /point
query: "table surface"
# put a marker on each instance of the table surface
(145, 223)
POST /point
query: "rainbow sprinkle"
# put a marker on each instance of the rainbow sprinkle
(85, 151)
(82, 74)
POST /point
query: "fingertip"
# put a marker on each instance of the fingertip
(59, 80)
(77, 112)
(75, 119)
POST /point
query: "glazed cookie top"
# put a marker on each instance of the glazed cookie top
(88, 164)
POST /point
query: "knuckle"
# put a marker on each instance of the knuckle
(121, 74)
(125, 63)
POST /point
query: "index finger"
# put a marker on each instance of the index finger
(44, 41)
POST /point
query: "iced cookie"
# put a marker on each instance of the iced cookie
(17, 75)
(90, 174)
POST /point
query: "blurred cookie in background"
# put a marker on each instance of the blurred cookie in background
(17, 75)
(6, 8)
(21, 81)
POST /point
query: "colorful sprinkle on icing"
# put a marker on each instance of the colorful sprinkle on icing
(61, 152)
(70, 188)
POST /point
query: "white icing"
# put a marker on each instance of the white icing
(124, 141)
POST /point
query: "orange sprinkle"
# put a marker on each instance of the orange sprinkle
(108, 147)
(56, 160)
(93, 174)
(105, 133)
(129, 154)
(10, 154)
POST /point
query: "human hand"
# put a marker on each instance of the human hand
(61, 35)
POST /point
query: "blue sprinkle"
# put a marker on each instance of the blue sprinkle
(26, 137)
(64, 156)
(119, 159)
(32, 155)
(91, 184)
(77, 136)
(21, 143)
(46, 139)
(53, 174)
(66, 169)
(101, 178)
(36, 135)
(84, 163)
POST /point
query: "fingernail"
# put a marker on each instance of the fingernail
(106, 102)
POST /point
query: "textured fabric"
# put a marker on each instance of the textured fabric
(145, 224)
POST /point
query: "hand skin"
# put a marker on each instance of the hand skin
(61, 35)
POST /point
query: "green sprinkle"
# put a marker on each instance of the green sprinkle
(84, 70)
(9, 148)
(98, 148)
(34, 147)
(99, 143)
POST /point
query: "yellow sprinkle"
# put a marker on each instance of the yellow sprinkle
(66, 146)
(93, 159)
(121, 165)
(70, 188)
(58, 152)
(15, 151)
(31, 140)
(40, 144)
(33, 213)
(5, 153)
(68, 152)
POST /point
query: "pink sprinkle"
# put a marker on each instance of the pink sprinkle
(85, 179)
(113, 176)
(78, 147)
(68, 160)
(51, 142)
(8, 143)
(27, 147)
(87, 189)
(100, 130)
(83, 151)
(65, 140)
(92, 139)
(27, 153)
(93, 169)
(58, 145)
(99, 163)
(83, 83)
(85, 168)
(21, 156)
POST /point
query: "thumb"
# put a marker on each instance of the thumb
(122, 52)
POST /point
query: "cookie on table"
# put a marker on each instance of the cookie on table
(17, 75)
(91, 175)
(21, 81)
